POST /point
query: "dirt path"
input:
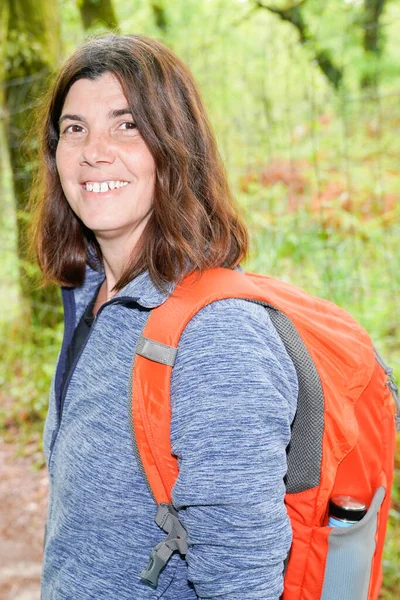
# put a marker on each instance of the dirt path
(23, 505)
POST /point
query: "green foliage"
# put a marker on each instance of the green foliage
(22, 52)
(26, 369)
(32, 41)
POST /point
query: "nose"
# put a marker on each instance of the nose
(97, 149)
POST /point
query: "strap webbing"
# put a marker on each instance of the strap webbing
(156, 351)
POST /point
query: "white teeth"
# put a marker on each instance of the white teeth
(104, 186)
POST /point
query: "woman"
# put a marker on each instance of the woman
(133, 198)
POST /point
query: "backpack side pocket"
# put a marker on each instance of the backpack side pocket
(350, 556)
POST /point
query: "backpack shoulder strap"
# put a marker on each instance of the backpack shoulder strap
(340, 362)
(155, 356)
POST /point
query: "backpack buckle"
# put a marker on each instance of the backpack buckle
(152, 572)
(176, 541)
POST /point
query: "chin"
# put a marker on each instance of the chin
(107, 231)
(102, 230)
(101, 223)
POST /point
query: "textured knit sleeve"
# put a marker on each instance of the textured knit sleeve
(234, 393)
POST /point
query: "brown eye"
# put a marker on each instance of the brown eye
(73, 129)
(128, 125)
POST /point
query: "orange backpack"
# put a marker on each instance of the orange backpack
(343, 434)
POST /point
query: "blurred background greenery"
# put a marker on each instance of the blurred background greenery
(304, 97)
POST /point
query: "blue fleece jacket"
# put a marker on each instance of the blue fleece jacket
(233, 395)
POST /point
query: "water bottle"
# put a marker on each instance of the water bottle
(345, 511)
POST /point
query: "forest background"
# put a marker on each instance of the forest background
(304, 97)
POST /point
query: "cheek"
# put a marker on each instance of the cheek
(59, 164)
(146, 164)
(63, 164)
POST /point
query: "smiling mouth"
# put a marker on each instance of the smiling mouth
(103, 186)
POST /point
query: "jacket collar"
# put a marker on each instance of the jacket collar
(141, 290)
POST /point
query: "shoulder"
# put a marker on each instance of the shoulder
(237, 323)
(233, 316)
(235, 341)
(233, 386)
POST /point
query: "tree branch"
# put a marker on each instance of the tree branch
(281, 11)
(293, 14)
(372, 13)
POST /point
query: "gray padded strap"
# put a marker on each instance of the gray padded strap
(156, 351)
(304, 454)
(391, 383)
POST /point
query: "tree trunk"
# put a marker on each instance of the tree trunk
(4, 16)
(32, 52)
(373, 10)
(160, 15)
(97, 12)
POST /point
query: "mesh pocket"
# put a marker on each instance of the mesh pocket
(350, 553)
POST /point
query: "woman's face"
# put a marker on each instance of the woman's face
(106, 170)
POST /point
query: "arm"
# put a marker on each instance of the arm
(234, 392)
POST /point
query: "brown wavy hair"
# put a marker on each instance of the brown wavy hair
(194, 224)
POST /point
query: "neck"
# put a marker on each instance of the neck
(115, 258)
(117, 250)
(107, 291)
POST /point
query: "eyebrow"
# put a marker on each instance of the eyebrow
(113, 114)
